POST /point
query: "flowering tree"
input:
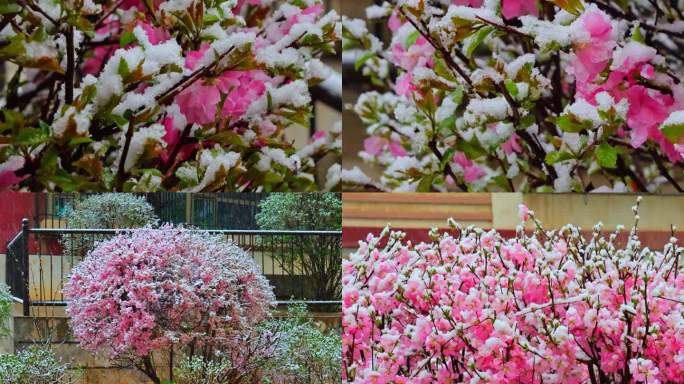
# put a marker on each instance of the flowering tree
(522, 95)
(151, 289)
(550, 307)
(145, 95)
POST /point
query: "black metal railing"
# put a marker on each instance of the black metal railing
(39, 261)
(17, 265)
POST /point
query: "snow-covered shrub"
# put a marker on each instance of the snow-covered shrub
(5, 308)
(143, 95)
(304, 353)
(547, 307)
(153, 289)
(242, 363)
(35, 365)
(524, 95)
(103, 211)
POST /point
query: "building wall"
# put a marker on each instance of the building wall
(417, 213)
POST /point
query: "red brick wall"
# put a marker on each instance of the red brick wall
(14, 206)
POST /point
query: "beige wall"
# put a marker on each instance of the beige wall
(657, 213)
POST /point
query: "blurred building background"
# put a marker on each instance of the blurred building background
(416, 213)
(355, 84)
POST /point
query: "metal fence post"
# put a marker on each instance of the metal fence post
(24, 265)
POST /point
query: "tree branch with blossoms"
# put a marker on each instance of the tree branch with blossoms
(528, 95)
(180, 95)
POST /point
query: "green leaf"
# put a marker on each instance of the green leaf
(426, 183)
(557, 156)
(476, 39)
(32, 136)
(472, 149)
(123, 68)
(120, 121)
(674, 133)
(361, 60)
(637, 35)
(228, 137)
(13, 118)
(126, 38)
(210, 19)
(457, 95)
(9, 7)
(272, 178)
(568, 124)
(412, 38)
(448, 155)
(606, 156)
(511, 87)
(448, 124)
(80, 140)
(573, 6)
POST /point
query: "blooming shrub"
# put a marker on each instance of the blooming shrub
(521, 95)
(142, 95)
(551, 307)
(151, 289)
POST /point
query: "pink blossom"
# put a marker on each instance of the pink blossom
(644, 370)
(242, 3)
(647, 111)
(404, 85)
(512, 145)
(198, 102)
(514, 8)
(396, 149)
(242, 88)
(192, 57)
(473, 173)
(155, 35)
(469, 3)
(417, 55)
(523, 212)
(461, 159)
(8, 177)
(94, 64)
(394, 22)
(594, 52)
(374, 145)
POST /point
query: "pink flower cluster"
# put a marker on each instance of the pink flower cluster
(148, 289)
(551, 307)
(631, 76)
(241, 88)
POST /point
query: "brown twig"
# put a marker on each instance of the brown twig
(663, 170)
(121, 172)
(69, 78)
